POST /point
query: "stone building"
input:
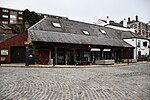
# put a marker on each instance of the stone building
(141, 28)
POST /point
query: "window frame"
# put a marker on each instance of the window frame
(85, 32)
(56, 24)
(103, 31)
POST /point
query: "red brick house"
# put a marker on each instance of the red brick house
(12, 47)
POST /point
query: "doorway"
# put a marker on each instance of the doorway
(18, 54)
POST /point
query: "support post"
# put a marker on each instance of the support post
(65, 57)
(55, 55)
(74, 55)
(27, 54)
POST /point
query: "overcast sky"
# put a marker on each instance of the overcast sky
(85, 10)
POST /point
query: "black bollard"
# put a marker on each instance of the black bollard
(53, 61)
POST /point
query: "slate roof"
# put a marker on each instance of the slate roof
(71, 32)
(6, 36)
(4, 27)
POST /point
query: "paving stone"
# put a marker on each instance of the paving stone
(104, 83)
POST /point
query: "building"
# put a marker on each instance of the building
(72, 42)
(12, 48)
(112, 24)
(140, 42)
(12, 16)
(141, 28)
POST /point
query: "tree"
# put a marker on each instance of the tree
(31, 17)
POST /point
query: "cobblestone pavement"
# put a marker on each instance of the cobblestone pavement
(106, 83)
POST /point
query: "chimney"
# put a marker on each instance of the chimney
(129, 19)
(136, 18)
(124, 23)
(107, 20)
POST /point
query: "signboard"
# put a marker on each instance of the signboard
(95, 49)
(27, 43)
(4, 52)
(107, 50)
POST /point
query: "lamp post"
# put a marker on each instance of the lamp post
(27, 43)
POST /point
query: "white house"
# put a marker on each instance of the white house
(114, 25)
(140, 43)
(141, 46)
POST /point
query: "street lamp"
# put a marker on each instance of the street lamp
(27, 43)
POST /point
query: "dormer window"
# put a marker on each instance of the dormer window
(86, 32)
(56, 24)
(103, 32)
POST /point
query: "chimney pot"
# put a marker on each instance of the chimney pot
(107, 19)
(128, 19)
(124, 23)
(136, 18)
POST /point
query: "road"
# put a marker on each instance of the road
(105, 83)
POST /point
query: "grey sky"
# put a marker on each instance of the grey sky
(86, 10)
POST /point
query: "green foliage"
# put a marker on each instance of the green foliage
(19, 27)
(30, 17)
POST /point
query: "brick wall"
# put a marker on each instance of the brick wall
(17, 40)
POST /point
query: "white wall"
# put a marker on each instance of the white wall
(121, 28)
(134, 42)
(101, 23)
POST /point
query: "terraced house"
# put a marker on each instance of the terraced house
(73, 42)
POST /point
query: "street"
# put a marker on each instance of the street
(105, 83)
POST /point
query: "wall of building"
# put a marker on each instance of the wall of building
(10, 16)
(135, 42)
(17, 40)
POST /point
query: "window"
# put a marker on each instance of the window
(144, 44)
(86, 32)
(20, 18)
(4, 10)
(56, 24)
(20, 12)
(13, 21)
(5, 16)
(13, 17)
(103, 31)
(4, 22)
(139, 43)
(13, 13)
